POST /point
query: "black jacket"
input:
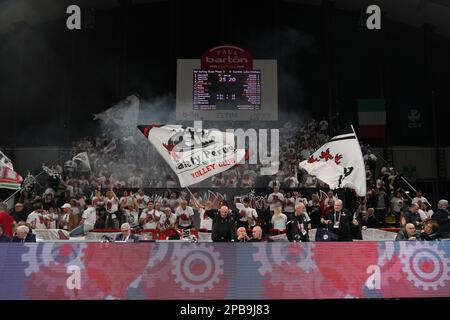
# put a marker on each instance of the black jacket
(223, 229)
(345, 218)
(295, 230)
(441, 217)
(429, 237)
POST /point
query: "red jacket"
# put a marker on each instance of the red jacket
(7, 222)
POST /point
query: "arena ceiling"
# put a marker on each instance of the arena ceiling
(411, 12)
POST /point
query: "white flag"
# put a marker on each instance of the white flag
(83, 159)
(339, 163)
(5, 161)
(194, 154)
(125, 113)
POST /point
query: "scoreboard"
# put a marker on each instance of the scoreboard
(227, 84)
(227, 89)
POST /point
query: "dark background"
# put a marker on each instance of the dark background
(53, 79)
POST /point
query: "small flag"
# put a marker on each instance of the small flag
(372, 118)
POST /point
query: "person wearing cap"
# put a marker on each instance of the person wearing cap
(23, 235)
(125, 234)
(67, 221)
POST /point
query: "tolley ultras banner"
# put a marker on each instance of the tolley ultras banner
(224, 270)
(194, 154)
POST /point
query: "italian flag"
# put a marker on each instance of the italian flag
(372, 118)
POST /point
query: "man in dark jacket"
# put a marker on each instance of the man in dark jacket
(223, 225)
(126, 235)
(442, 217)
(413, 216)
(409, 233)
(339, 222)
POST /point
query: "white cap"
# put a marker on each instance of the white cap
(66, 205)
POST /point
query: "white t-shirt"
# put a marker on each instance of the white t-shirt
(112, 205)
(167, 221)
(132, 217)
(205, 221)
(417, 199)
(279, 223)
(90, 215)
(248, 214)
(36, 220)
(301, 200)
(126, 201)
(150, 218)
(184, 216)
(291, 181)
(52, 216)
(142, 200)
(274, 196)
(397, 204)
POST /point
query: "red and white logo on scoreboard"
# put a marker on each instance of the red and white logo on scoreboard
(226, 57)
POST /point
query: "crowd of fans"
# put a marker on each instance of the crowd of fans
(128, 189)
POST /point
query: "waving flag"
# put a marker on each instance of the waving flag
(9, 179)
(83, 160)
(339, 163)
(194, 154)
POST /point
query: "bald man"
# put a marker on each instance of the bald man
(409, 233)
(223, 225)
(340, 221)
(256, 234)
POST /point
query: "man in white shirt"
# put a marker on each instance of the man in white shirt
(142, 199)
(291, 180)
(247, 215)
(275, 199)
(150, 217)
(205, 220)
(88, 219)
(185, 215)
(112, 206)
(36, 219)
(419, 197)
(167, 220)
(274, 182)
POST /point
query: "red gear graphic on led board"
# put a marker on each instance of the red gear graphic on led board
(113, 276)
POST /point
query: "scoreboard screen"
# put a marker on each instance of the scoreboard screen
(227, 89)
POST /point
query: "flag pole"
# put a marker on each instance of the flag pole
(19, 190)
(196, 202)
